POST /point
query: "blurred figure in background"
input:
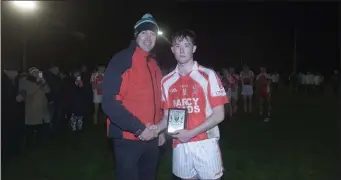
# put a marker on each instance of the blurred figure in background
(263, 92)
(310, 82)
(96, 82)
(275, 81)
(86, 78)
(77, 106)
(336, 82)
(247, 78)
(12, 111)
(318, 83)
(36, 104)
(234, 89)
(227, 82)
(54, 81)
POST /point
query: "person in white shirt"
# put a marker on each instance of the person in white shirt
(304, 82)
(275, 80)
(318, 80)
(247, 78)
(309, 82)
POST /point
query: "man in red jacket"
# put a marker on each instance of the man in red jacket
(131, 100)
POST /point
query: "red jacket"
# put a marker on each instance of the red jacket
(131, 93)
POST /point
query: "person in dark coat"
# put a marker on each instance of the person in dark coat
(77, 102)
(12, 111)
(54, 81)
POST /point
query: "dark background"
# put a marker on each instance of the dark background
(257, 33)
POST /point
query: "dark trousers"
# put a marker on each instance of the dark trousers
(13, 137)
(135, 159)
(35, 134)
(55, 111)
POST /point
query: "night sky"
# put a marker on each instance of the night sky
(258, 33)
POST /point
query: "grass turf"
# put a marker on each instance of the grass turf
(300, 142)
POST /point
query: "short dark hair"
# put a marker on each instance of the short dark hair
(185, 33)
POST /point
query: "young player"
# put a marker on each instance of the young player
(234, 89)
(247, 78)
(263, 91)
(96, 82)
(190, 86)
(226, 80)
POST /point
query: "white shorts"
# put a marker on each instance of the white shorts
(201, 159)
(247, 90)
(97, 98)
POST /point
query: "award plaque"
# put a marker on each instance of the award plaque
(177, 119)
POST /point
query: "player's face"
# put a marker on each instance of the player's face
(146, 40)
(183, 50)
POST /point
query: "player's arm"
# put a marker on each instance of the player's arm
(213, 120)
(217, 99)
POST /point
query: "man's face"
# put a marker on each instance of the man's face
(246, 68)
(55, 70)
(183, 50)
(146, 40)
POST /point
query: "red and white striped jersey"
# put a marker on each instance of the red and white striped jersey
(263, 81)
(232, 81)
(247, 77)
(97, 78)
(199, 91)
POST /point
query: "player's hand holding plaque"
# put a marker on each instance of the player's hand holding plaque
(177, 119)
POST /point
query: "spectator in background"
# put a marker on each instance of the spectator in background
(293, 80)
(318, 83)
(77, 106)
(275, 81)
(12, 111)
(36, 104)
(227, 81)
(336, 81)
(247, 78)
(65, 97)
(234, 89)
(310, 82)
(302, 82)
(86, 78)
(96, 82)
(54, 81)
